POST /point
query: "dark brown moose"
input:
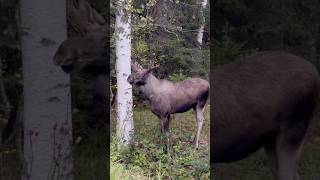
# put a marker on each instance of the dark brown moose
(168, 98)
(264, 101)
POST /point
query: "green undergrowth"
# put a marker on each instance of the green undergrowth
(89, 157)
(119, 172)
(146, 154)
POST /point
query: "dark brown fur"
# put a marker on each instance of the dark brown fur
(87, 54)
(265, 101)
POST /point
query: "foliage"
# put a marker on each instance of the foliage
(177, 77)
(89, 155)
(289, 25)
(165, 34)
(118, 172)
(227, 50)
(10, 50)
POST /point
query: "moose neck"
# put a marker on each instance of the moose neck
(151, 86)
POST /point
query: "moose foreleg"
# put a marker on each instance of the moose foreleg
(271, 153)
(165, 121)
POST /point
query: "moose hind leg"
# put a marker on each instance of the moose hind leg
(290, 140)
(199, 119)
(288, 155)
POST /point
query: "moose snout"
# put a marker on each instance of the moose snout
(130, 79)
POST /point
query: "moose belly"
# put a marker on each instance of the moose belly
(235, 150)
(237, 135)
(181, 108)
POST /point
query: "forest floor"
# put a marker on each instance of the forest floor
(146, 154)
(146, 159)
(256, 166)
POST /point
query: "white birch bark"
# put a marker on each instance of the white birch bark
(123, 70)
(201, 29)
(47, 106)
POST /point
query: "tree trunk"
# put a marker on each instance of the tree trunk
(201, 29)
(4, 104)
(47, 104)
(123, 70)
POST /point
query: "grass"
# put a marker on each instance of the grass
(90, 157)
(146, 153)
(118, 172)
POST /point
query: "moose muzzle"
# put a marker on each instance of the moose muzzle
(130, 79)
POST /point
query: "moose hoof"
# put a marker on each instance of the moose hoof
(166, 149)
(195, 146)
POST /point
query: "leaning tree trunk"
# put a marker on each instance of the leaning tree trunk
(201, 29)
(47, 107)
(123, 70)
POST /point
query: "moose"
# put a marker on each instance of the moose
(264, 101)
(168, 98)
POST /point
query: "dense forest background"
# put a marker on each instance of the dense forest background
(244, 27)
(165, 33)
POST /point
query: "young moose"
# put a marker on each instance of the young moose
(264, 101)
(167, 98)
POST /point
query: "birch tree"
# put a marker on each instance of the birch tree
(47, 112)
(201, 29)
(123, 70)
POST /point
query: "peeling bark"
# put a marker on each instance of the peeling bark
(47, 102)
(123, 70)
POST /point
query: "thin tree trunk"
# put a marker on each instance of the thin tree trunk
(123, 70)
(47, 107)
(4, 104)
(201, 29)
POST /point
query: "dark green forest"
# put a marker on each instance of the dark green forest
(241, 28)
(247, 26)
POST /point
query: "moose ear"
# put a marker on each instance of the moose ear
(135, 67)
(152, 68)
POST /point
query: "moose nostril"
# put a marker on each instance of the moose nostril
(130, 80)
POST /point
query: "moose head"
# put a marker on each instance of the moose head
(139, 75)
